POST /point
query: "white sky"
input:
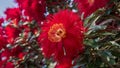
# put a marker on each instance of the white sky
(6, 4)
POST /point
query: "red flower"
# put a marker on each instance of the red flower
(11, 33)
(62, 36)
(9, 65)
(3, 41)
(21, 55)
(13, 13)
(65, 63)
(5, 55)
(1, 21)
(34, 9)
(1, 64)
(89, 6)
(16, 51)
(6, 64)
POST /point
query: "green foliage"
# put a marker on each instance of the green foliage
(102, 39)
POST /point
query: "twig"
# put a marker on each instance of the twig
(103, 59)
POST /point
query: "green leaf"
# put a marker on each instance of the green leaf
(114, 43)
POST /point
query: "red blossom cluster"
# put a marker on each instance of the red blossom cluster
(13, 13)
(7, 54)
(61, 36)
(33, 9)
(3, 40)
(1, 21)
(89, 6)
(9, 35)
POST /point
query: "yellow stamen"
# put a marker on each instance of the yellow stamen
(91, 2)
(56, 32)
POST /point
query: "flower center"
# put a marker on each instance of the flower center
(56, 32)
(90, 2)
